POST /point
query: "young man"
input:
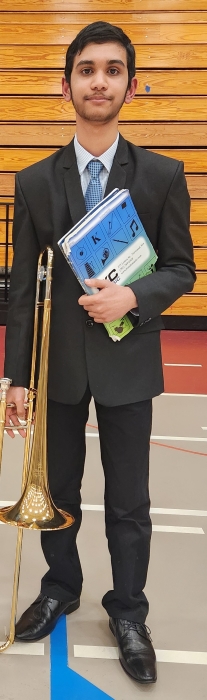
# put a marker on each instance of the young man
(83, 361)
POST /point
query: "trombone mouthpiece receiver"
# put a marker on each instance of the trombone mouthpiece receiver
(5, 383)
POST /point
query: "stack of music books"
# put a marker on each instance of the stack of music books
(110, 243)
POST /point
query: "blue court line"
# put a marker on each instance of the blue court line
(66, 684)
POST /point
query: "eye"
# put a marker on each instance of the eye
(113, 71)
(86, 71)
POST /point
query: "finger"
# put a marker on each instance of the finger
(82, 299)
(11, 417)
(12, 434)
(22, 422)
(88, 299)
(20, 409)
(90, 304)
(98, 283)
(8, 420)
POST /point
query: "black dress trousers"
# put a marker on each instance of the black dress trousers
(124, 439)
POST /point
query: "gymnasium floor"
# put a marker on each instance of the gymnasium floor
(79, 661)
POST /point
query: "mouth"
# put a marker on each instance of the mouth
(98, 98)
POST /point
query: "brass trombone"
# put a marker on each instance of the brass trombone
(35, 509)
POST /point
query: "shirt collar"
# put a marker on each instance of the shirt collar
(83, 157)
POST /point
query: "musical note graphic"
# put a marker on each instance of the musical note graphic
(134, 224)
(105, 255)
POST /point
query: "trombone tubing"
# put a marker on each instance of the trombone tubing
(5, 384)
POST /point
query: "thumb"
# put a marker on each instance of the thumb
(98, 283)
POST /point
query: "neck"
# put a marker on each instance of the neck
(95, 137)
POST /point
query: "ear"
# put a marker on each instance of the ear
(66, 90)
(131, 91)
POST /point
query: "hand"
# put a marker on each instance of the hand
(111, 302)
(16, 395)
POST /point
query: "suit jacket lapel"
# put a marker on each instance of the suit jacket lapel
(73, 188)
(117, 175)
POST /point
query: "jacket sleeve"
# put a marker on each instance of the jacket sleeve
(175, 268)
(19, 332)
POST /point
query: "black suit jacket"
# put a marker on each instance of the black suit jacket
(48, 202)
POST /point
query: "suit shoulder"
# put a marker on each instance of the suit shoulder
(150, 159)
(43, 167)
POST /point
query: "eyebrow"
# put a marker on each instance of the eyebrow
(92, 63)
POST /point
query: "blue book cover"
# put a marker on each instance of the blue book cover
(110, 243)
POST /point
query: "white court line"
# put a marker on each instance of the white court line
(205, 428)
(173, 438)
(95, 652)
(158, 511)
(179, 511)
(166, 393)
(36, 649)
(170, 364)
(165, 655)
(153, 437)
(92, 434)
(87, 506)
(7, 503)
(177, 529)
(156, 528)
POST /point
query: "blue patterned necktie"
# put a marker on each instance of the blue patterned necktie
(94, 192)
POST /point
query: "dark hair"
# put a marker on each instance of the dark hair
(100, 33)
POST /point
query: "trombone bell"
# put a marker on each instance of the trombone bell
(35, 511)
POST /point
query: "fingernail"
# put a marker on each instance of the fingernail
(22, 420)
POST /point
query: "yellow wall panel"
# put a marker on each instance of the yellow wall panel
(155, 82)
(167, 116)
(141, 33)
(188, 305)
(141, 134)
(149, 108)
(147, 56)
(118, 5)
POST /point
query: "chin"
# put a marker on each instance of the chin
(97, 115)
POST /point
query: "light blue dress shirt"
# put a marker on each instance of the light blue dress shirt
(83, 157)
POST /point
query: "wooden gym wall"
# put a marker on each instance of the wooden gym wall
(168, 114)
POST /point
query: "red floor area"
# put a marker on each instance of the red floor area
(185, 347)
(178, 347)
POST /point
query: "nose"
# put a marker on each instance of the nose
(99, 81)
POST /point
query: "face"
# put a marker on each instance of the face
(99, 82)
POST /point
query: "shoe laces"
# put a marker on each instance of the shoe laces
(39, 606)
(141, 628)
(146, 629)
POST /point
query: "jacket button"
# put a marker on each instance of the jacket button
(89, 323)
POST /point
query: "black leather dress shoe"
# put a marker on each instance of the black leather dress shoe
(41, 617)
(136, 653)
